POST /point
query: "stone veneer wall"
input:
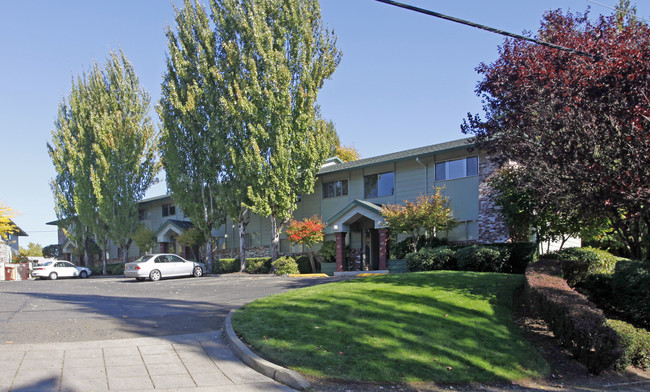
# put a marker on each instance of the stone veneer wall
(491, 227)
(256, 251)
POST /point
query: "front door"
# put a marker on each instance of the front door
(370, 249)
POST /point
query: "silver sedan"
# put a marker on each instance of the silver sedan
(163, 265)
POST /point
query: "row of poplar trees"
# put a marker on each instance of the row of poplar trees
(241, 131)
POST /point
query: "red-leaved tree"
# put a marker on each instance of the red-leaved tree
(307, 232)
(579, 125)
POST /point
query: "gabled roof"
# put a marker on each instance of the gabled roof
(19, 232)
(399, 156)
(179, 225)
(372, 207)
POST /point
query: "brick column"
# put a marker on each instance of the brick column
(340, 251)
(383, 249)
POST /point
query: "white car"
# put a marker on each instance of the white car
(59, 269)
(164, 265)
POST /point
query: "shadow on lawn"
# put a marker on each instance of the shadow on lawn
(393, 328)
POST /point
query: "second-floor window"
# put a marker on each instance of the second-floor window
(335, 188)
(379, 185)
(465, 167)
(168, 210)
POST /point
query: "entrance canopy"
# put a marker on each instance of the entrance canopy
(352, 213)
(172, 228)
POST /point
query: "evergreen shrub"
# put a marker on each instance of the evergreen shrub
(258, 265)
(578, 263)
(631, 291)
(286, 265)
(225, 266)
(304, 266)
(482, 258)
(431, 259)
(635, 343)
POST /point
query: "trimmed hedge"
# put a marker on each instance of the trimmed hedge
(482, 258)
(399, 250)
(431, 259)
(578, 263)
(509, 258)
(225, 266)
(111, 269)
(631, 289)
(285, 265)
(576, 322)
(254, 265)
(304, 266)
(635, 343)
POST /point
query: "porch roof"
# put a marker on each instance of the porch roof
(177, 226)
(356, 207)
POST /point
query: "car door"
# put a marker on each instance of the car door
(163, 265)
(181, 266)
(65, 269)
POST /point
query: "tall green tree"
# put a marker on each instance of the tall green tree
(104, 150)
(283, 55)
(192, 144)
(125, 149)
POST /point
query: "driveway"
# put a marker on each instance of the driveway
(98, 308)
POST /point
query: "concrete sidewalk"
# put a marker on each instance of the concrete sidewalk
(195, 362)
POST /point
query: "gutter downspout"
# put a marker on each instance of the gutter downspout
(426, 175)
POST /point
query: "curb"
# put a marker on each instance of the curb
(271, 370)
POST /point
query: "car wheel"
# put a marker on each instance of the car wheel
(198, 272)
(83, 274)
(154, 275)
(139, 279)
(53, 276)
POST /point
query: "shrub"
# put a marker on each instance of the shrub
(328, 251)
(482, 258)
(400, 249)
(635, 343)
(304, 265)
(578, 263)
(286, 265)
(111, 269)
(598, 288)
(225, 266)
(576, 322)
(522, 254)
(258, 265)
(631, 288)
(428, 259)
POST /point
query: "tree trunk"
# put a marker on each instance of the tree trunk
(103, 257)
(311, 261)
(242, 221)
(125, 249)
(86, 245)
(275, 239)
(208, 249)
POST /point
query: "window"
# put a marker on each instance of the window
(335, 188)
(142, 214)
(457, 168)
(379, 185)
(168, 210)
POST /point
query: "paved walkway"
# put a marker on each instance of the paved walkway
(196, 362)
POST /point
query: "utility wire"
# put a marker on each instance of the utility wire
(487, 28)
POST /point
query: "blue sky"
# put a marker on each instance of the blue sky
(406, 80)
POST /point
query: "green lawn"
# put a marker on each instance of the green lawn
(443, 326)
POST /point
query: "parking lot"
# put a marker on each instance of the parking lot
(100, 308)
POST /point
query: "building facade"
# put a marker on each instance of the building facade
(348, 197)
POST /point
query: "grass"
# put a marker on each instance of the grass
(443, 326)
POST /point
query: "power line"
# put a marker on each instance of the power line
(487, 28)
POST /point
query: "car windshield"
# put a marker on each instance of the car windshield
(143, 259)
